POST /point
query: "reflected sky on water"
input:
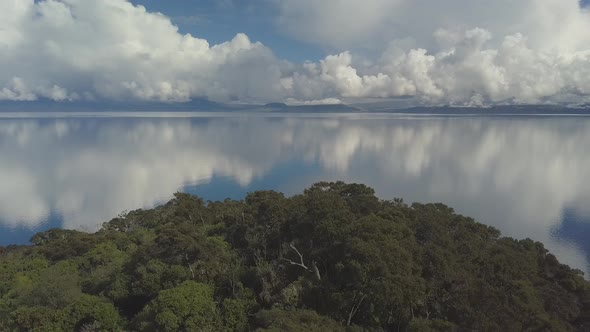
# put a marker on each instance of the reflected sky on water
(524, 175)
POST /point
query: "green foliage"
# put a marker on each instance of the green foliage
(335, 258)
(188, 307)
(235, 314)
(56, 287)
(154, 276)
(295, 321)
(95, 311)
(42, 319)
(428, 325)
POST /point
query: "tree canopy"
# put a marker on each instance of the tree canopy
(334, 258)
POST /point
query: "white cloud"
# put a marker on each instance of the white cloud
(465, 72)
(72, 49)
(348, 24)
(457, 51)
(453, 52)
(336, 23)
(327, 101)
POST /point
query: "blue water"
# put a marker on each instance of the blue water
(525, 175)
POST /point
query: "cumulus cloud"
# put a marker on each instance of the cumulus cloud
(455, 52)
(78, 49)
(466, 72)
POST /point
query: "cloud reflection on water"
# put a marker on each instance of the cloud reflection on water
(518, 174)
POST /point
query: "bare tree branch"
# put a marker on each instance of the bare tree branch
(314, 269)
(301, 262)
(355, 308)
(295, 263)
(192, 271)
(298, 253)
(190, 267)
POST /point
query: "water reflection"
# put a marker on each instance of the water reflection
(574, 230)
(518, 174)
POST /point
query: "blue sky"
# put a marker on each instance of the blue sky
(219, 21)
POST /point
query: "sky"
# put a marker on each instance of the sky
(220, 20)
(453, 52)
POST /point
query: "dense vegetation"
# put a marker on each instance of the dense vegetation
(335, 258)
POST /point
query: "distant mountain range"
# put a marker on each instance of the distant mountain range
(107, 106)
(493, 110)
(335, 108)
(204, 105)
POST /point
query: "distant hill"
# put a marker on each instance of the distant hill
(276, 106)
(493, 110)
(332, 108)
(195, 105)
(204, 105)
(110, 106)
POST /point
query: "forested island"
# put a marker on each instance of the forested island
(335, 258)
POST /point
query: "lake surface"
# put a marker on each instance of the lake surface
(528, 176)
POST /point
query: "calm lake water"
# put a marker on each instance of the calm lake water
(527, 176)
